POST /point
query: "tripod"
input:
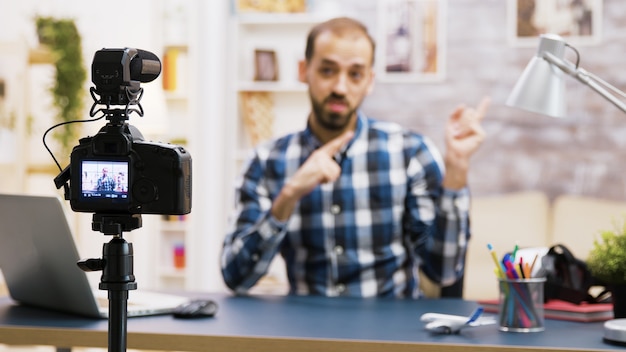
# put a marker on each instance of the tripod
(117, 277)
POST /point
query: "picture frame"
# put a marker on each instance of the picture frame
(579, 22)
(265, 65)
(411, 40)
(270, 6)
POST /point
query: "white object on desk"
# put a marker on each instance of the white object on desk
(615, 330)
(449, 323)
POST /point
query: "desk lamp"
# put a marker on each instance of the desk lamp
(541, 89)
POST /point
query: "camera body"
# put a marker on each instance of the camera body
(116, 171)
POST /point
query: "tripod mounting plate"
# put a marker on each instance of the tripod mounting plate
(115, 224)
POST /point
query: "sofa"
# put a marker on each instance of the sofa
(529, 219)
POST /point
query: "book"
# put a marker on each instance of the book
(563, 310)
(170, 72)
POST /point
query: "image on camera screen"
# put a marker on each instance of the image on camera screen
(104, 179)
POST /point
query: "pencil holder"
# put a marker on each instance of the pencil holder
(521, 305)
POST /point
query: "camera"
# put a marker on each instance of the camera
(118, 175)
(117, 171)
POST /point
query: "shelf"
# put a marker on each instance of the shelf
(278, 86)
(40, 55)
(171, 272)
(173, 228)
(175, 96)
(277, 19)
(175, 219)
(178, 46)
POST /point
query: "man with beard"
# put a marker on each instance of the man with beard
(355, 206)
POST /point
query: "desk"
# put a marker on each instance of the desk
(279, 323)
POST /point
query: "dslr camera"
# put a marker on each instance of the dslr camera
(117, 171)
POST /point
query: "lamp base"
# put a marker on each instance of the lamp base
(615, 331)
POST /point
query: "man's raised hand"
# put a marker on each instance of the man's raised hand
(320, 167)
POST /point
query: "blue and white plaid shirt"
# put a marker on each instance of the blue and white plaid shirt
(366, 234)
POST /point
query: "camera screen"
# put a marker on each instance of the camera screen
(102, 179)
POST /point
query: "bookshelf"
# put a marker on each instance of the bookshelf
(264, 109)
(170, 251)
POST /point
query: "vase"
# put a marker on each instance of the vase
(618, 296)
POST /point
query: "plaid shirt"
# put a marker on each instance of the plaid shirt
(366, 234)
(106, 183)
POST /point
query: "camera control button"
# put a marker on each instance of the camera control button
(144, 190)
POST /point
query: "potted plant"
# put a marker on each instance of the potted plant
(62, 38)
(607, 263)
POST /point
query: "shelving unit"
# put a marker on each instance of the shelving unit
(176, 87)
(285, 103)
(14, 72)
(170, 251)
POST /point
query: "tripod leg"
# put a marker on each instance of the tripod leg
(118, 318)
(118, 278)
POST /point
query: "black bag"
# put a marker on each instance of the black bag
(568, 278)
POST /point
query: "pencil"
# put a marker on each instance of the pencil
(532, 266)
(520, 265)
(496, 261)
(527, 270)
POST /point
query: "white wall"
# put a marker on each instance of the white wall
(139, 24)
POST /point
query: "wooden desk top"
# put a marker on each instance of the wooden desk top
(287, 323)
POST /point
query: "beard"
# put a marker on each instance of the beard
(332, 121)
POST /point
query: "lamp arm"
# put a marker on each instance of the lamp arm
(584, 77)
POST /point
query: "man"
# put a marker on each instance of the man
(105, 182)
(355, 206)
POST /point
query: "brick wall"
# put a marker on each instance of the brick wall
(583, 154)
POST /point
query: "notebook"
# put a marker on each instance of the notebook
(38, 259)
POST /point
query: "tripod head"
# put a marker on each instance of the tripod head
(115, 224)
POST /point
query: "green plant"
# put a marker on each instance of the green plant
(607, 258)
(62, 37)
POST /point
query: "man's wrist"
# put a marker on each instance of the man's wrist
(284, 204)
(455, 177)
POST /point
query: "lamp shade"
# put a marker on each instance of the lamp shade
(541, 87)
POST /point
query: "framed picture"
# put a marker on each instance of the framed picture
(266, 65)
(411, 40)
(579, 22)
(271, 6)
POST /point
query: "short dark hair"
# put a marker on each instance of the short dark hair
(339, 25)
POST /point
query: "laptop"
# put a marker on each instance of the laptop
(38, 259)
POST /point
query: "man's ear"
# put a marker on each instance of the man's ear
(302, 66)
